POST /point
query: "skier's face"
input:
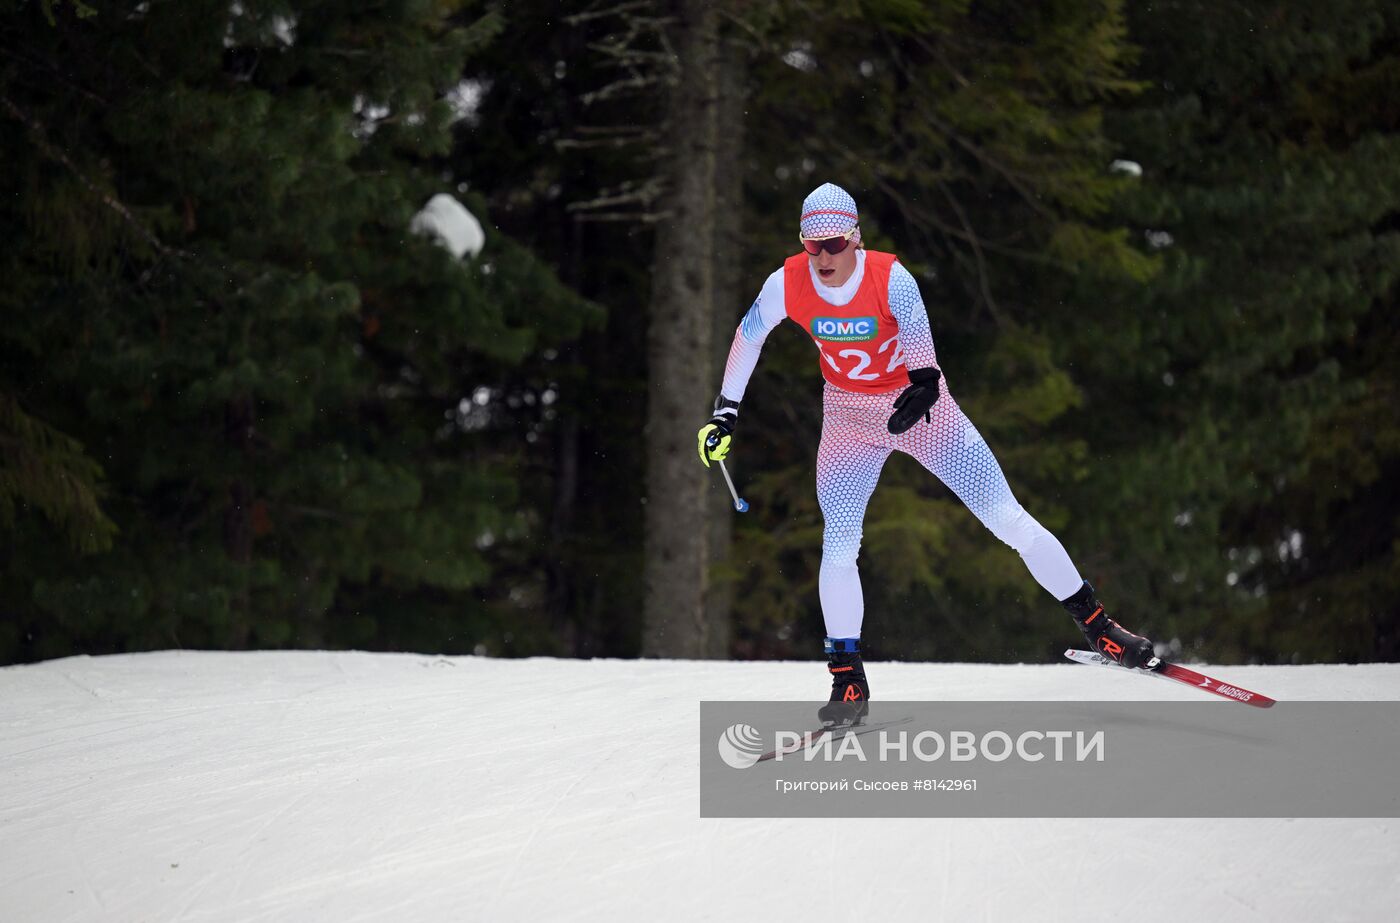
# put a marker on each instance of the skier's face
(834, 269)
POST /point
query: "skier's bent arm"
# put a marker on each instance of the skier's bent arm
(767, 312)
(907, 306)
(916, 343)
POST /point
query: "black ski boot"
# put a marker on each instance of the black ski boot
(850, 693)
(1105, 636)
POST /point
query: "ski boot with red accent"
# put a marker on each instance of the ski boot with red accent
(1105, 636)
(850, 693)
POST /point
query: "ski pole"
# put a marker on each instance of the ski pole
(740, 504)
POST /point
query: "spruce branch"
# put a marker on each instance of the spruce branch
(629, 217)
(1014, 178)
(590, 15)
(609, 137)
(80, 9)
(53, 72)
(644, 193)
(636, 82)
(983, 277)
(40, 139)
(47, 470)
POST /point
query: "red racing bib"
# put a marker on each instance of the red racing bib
(858, 341)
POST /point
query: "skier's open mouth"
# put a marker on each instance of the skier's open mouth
(826, 273)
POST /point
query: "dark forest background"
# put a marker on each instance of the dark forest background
(242, 405)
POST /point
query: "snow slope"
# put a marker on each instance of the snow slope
(350, 786)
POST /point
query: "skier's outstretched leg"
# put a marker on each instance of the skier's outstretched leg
(953, 450)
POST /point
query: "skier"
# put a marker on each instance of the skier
(884, 392)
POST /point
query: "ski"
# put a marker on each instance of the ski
(1174, 671)
(811, 737)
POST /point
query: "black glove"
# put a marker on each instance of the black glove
(915, 400)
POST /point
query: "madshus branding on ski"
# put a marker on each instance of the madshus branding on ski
(1231, 691)
(1165, 669)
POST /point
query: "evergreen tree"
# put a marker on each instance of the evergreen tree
(214, 289)
(1250, 462)
(561, 149)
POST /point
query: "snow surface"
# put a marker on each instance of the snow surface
(352, 786)
(449, 221)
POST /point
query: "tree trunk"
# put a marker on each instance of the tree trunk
(559, 590)
(728, 305)
(238, 523)
(680, 351)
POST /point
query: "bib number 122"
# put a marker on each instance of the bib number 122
(863, 360)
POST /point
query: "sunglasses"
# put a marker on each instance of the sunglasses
(832, 245)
